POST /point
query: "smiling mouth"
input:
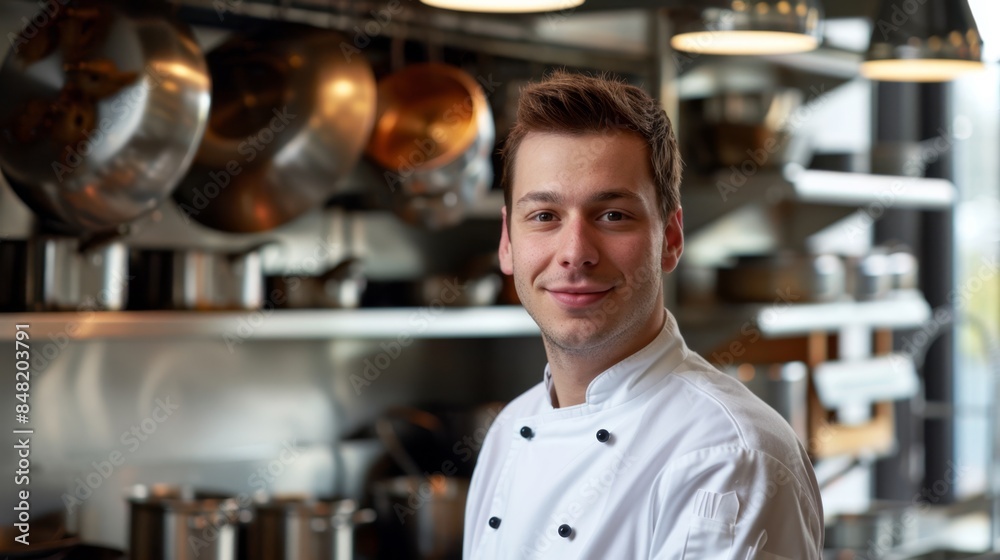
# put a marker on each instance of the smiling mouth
(579, 298)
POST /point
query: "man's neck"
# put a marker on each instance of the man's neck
(572, 371)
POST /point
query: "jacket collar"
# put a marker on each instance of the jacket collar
(632, 376)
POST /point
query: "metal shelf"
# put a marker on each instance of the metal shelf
(707, 327)
(417, 322)
(707, 199)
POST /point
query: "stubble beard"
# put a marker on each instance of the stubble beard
(598, 332)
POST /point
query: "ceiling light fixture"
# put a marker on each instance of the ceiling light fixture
(750, 27)
(505, 6)
(923, 41)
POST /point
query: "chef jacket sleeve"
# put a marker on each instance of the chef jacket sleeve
(735, 503)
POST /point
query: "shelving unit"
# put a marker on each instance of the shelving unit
(707, 327)
(707, 199)
(282, 324)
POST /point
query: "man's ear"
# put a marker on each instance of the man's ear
(506, 259)
(673, 241)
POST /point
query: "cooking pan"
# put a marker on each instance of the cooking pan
(101, 111)
(290, 116)
(433, 135)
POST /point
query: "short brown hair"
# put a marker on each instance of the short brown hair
(570, 103)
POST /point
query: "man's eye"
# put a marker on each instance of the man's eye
(614, 216)
(543, 217)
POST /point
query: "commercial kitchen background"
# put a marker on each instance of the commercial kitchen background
(250, 386)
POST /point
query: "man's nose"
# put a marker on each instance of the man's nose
(577, 246)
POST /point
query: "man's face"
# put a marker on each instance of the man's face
(586, 243)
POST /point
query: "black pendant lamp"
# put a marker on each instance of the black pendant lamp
(753, 27)
(923, 41)
(505, 6)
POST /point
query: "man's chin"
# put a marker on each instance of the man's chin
(581, 339)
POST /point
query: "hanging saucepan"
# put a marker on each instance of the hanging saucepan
(447, 208)
(433, 135)
(101, 110)
(290, 115)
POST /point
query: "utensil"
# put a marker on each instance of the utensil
(421, 517)
(178, 523)
(197, 279)
(302, 528)
(440, 210)
(340, 287)
(869, 276)
(290, 117)
(433, 135)
(432, 121)
(769, 278)
(751, 129)
(101, 113)
(70, 274)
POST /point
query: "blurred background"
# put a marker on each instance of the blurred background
(254, 242)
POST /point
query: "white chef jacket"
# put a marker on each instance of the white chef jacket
(668, 458)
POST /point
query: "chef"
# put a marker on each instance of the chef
(632, 446)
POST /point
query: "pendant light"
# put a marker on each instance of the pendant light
(749, 27)
(505, 6)
(923, 41)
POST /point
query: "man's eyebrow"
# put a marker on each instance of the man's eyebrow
(548, 197)
(605, 196)
(551, 197)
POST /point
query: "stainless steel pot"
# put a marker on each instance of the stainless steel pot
(197, 279)
(177, 523)
(421, 517)
(101, 112)
(290, 116)
(297, 528)
(772, 278)
(439, 210)
(68, 274)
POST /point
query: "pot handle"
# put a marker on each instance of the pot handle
(390, 439)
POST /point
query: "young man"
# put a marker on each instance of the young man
(632, 446)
